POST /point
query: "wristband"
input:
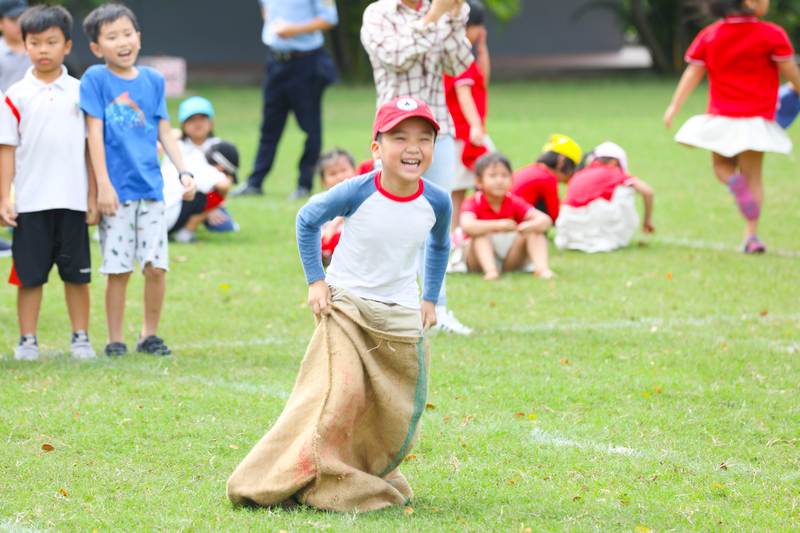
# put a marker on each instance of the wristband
(185, 173)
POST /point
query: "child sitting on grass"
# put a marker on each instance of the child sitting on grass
(43, 149)
(215, 173)
(537, 183)
(506, 231)
(354, 414)
(334, 167)
(598, 213)
(195, 137)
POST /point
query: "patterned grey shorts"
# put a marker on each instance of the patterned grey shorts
(138, 231)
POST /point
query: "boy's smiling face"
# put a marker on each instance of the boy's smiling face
(118, 44)
(406, 151)
(47, 49)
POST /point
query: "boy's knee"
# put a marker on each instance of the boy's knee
(151, 272)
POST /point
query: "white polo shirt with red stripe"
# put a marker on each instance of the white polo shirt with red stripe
(46, 124)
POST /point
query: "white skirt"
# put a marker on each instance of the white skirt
(601, 226)
(729, 136)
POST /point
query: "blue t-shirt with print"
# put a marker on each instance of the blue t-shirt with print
(131, 111)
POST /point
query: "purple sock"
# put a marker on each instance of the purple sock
(744, 197)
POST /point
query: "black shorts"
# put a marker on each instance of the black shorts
(45, 238)
(195, 207)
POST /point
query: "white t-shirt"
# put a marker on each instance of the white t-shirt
(187, 147)
(205, 176)
(46, 124)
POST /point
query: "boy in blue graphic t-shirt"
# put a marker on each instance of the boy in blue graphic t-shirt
(126, 114)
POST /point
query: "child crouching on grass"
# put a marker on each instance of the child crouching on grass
(506, 231)
(354, 414)
(334, 167)
(598, 213)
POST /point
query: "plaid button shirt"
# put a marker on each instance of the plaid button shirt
(409, 59)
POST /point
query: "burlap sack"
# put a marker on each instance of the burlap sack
(352, 418)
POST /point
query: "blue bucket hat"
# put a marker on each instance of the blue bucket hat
(13, 8)
(196, 105)
(789, 106)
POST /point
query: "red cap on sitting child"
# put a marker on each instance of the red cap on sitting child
(396, 111)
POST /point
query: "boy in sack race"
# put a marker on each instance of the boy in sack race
(355, 410)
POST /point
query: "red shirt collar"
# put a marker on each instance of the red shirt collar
(738, 19)
(391, 196)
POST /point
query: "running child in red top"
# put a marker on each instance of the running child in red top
(467, 102)
(537, 183)
(334, 167)
(744, 58)
(598, 213)
(507, 232)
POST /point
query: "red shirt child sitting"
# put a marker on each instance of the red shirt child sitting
(507, 232)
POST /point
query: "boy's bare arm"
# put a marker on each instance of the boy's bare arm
(791, 73)
(647, 194)
(475, 228)
(107, 199)
(470, 111)
(7, 162)
(171, 149)
(92, 213)
(319, 297)
(484, 63)
(691, 77)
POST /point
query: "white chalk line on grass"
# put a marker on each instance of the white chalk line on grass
(558, 441)
(646, 322)
(721, 246)
(13, 526)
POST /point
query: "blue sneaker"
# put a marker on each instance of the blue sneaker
(5, 248)
(228, 225)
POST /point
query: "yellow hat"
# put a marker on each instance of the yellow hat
(561, 144)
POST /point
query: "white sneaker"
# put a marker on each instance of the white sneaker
(27, 349)
(80, 347)
(446, 321)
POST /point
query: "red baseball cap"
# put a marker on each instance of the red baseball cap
(396, 111)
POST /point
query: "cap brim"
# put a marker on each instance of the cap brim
(397, 120)
(15, 11)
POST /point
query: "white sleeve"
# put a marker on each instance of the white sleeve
(9, 123)
(206, 178)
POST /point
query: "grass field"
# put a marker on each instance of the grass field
(655, 388)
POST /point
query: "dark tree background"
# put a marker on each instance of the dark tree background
(666, 27)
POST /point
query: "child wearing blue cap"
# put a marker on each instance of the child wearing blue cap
(195, 138)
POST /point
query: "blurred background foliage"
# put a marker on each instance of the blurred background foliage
(665, 27)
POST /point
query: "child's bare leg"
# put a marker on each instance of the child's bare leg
(537, 250)
(724, 167)
(155, 287)
(29, 301)
(77, 297)
(751, 163)
(195, 220)
(116, 287)
(517, 255)
(480, 257)
(458, 199)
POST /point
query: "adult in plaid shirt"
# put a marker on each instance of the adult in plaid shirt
(411, 44)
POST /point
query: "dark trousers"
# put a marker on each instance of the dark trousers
(295, 85)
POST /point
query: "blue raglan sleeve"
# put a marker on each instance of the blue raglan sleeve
(341, 200)
(437, 246)
(326, 10)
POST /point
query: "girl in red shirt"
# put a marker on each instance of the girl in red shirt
(598, 213)
(743, 57)
(507, 233)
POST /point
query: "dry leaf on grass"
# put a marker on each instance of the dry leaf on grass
(519, 415)
(411, 457)
(180, 259)
(564, 361)
(531, 416)
(47, 447)
(668, 275)
(576, 498)
(62, 491)
(646, 395)
(764, 312)
(430, 406)
(233, 447)
(718, 485)
(446, 420)
(224, 287)
(641, 528)
(408, 511)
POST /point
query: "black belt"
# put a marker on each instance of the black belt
(288, 56)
